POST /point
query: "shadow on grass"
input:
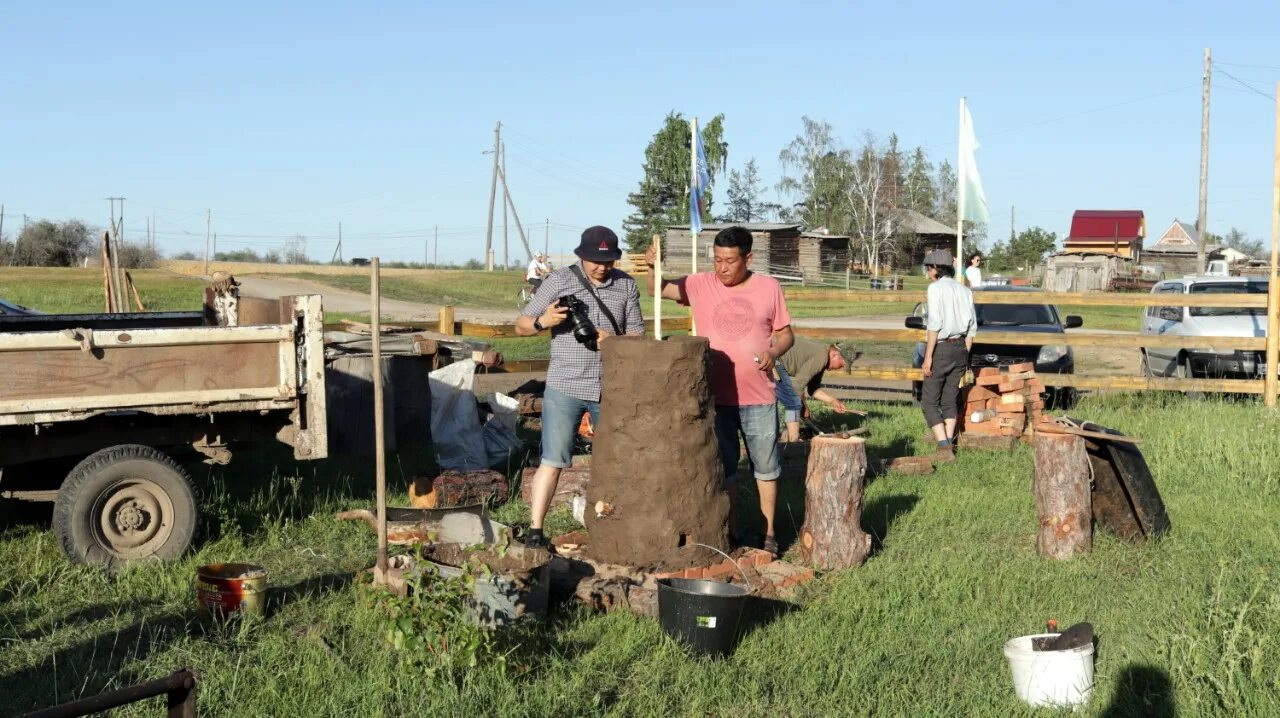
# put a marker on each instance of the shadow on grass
(879, 514)
(759, 612)
(90, 666)
(1142, 691)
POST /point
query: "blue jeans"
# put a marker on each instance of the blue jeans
(787, 396)
(759, 428)
(561, 415)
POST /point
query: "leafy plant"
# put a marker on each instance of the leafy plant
(433, 626)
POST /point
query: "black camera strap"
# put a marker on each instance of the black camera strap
(577, 272)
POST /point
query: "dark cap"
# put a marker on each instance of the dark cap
(599, 244)
(939, 258)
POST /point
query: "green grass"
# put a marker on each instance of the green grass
(72, 290)
(1184, 624)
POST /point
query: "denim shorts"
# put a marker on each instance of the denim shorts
(561, 416)
(759, 427)
(787, 396)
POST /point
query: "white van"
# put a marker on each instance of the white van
(1196, 360)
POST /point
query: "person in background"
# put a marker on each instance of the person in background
(538, 269)
(973, 270)
(744, 315)
(949, 330)
(801, 369)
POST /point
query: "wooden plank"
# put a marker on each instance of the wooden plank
(506, 331)
(1137, 383)
(171, 337)
(1092, 299)
(1122, 340)
(141, 372)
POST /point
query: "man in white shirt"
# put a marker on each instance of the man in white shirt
(538, 269)
(972, 270)
(950, 327)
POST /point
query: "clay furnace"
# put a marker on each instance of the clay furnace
(656, 477)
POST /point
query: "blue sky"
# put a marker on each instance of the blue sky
(288, 118)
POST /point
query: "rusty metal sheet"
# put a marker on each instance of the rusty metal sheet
(1125, 497)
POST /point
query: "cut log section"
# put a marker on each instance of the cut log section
(832, 537)
(1062, 495)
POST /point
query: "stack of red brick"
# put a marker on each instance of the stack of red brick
(1003, 401)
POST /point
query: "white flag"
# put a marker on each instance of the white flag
(973, 201)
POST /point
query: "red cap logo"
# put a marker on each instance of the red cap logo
(604, 246)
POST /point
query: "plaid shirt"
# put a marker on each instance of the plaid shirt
(575, 369)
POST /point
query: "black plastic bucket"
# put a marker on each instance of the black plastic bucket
(703, 615)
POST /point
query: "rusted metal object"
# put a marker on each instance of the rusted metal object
(179, 688)
(1125, 498)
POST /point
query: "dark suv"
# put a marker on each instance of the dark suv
(1030, 318)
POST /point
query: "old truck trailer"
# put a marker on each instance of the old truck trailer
(110, 394)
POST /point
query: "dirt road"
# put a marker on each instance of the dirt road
(345, 301)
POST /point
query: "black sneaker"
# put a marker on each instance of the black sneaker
(537, 541)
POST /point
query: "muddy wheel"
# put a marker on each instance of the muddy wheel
(125, 503)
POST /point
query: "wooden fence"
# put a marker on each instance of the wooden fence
(1266, 386)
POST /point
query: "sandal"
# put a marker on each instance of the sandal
(771, 545)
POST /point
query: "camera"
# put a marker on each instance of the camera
(584, 330)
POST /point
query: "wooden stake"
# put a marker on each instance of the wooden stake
(128, 281)
(379, 438)
(446, 320)
(106, 274)
(1273, 289)
(657, 288)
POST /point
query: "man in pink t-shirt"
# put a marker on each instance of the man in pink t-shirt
(745, 317)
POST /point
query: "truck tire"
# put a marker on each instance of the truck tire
(1184, 372)
(125, 503)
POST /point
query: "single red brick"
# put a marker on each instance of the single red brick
(1025, 366)
(724, 568)
(1010, 386)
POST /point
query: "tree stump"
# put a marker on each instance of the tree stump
(1062, 496)
(832, 537)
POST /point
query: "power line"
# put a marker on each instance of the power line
(1245, 84)
(1254, 67)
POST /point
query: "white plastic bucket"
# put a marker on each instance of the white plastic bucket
(1050, 678)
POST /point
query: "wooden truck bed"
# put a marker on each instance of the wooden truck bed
(68, 368)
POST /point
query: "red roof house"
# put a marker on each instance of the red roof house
(1107, 231)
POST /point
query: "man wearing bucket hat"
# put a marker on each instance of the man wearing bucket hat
(580, 305)
(950, 327)
(801, 369)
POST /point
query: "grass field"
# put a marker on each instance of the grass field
(63, 290)
(1185, 625)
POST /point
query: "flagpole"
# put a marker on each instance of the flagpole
(693, 181)
(960, 174)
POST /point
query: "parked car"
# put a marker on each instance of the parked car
(1031, 318)
(1190, 360)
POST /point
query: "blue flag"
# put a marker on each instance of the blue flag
(698, 184)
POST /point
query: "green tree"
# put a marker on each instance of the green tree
(921, 193)
(945, 198)
(663, 196)
(53, 244)
(1022, 252)
(743, 202)
(1238, 240)
(816, 171)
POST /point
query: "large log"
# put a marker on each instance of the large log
(1061, 489)
(832, 537)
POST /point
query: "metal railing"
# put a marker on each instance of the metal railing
(179, 689)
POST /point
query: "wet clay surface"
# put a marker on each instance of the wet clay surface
(655, 465)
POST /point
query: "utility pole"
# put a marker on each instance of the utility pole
(1013, 234)
(436, 259)
(1, 223)
(208, 223)
(546, 239)
(524, 239)
(506, 257)
(117, 229)
(1202, 225)
(337, 251)
(493, 193)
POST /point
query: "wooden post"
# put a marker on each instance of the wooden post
(657, 288)
(446, 319)
(1273, 289)
(1063, 501)
(379, 437)
(832, 537)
